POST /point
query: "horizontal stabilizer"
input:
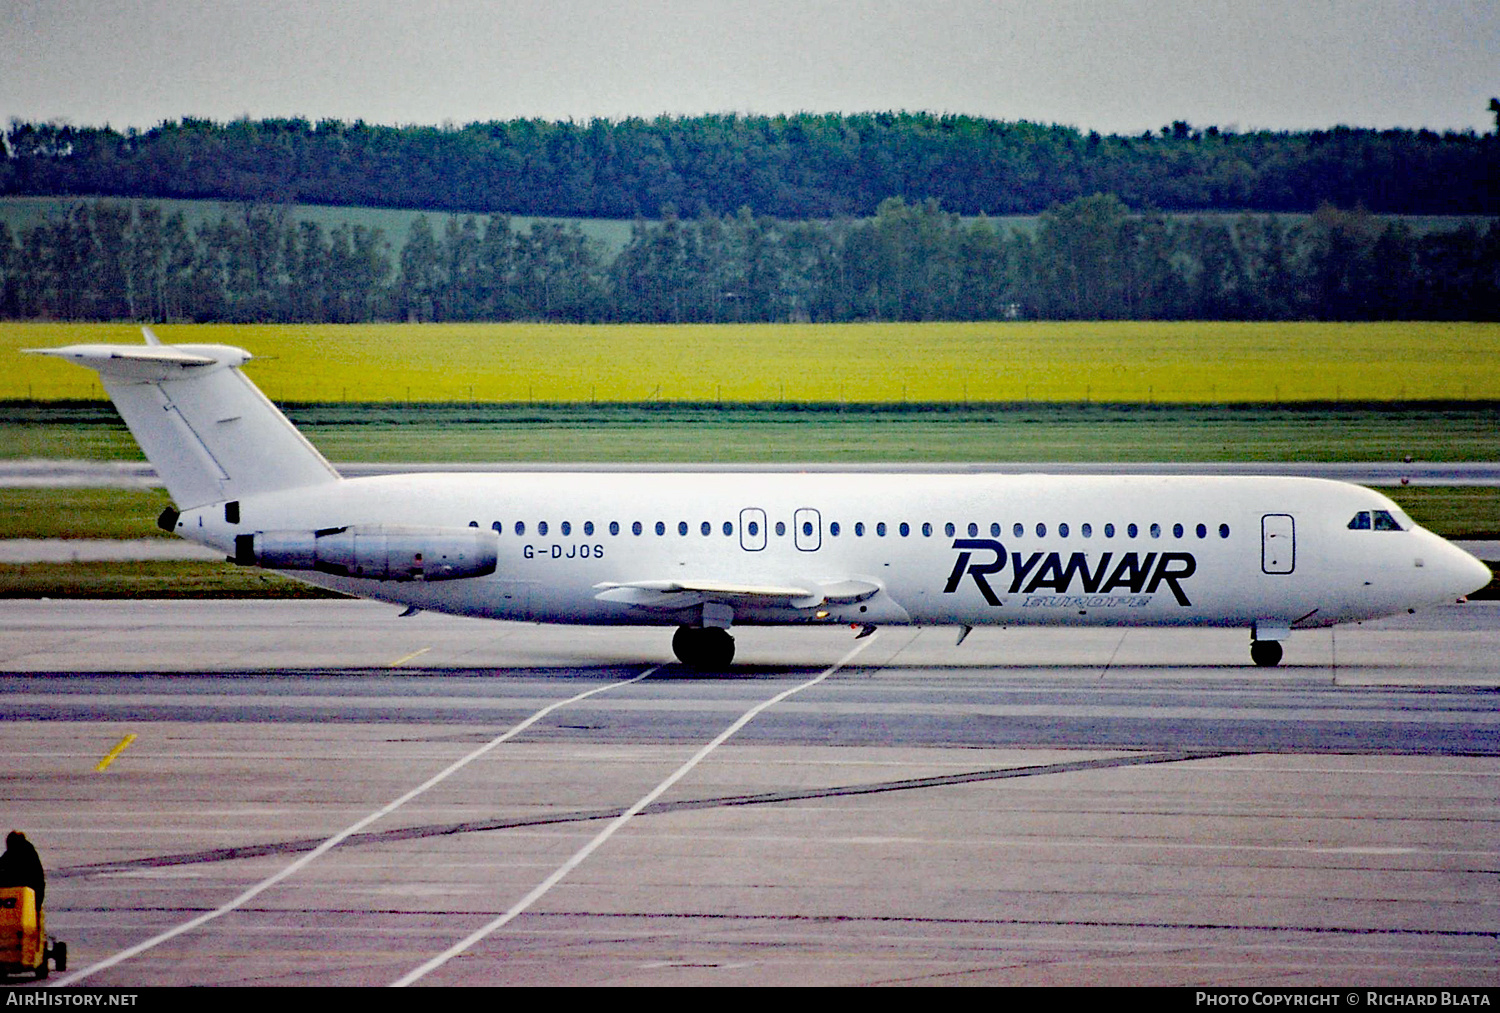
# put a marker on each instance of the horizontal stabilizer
(140, 362)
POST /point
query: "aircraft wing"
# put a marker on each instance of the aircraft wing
(678, 594)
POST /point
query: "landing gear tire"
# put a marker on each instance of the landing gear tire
(703, 647)
(1265, 653)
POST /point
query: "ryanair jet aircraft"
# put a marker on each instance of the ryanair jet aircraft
(704, 552)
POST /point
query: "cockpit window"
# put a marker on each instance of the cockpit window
(1378, 520)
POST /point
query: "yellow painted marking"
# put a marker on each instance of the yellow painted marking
(405, 658)
(114, 753)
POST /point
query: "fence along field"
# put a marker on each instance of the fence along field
(882, 364)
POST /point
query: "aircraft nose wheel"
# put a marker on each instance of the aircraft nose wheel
(1265, 653)
(703, 647)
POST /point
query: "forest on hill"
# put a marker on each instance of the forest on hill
(790, 167)
(743, 218)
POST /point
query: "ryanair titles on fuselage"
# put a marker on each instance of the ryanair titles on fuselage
(1138, 573)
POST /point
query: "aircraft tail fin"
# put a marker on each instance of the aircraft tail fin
(209, 432)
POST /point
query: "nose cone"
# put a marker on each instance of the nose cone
(1468, 574)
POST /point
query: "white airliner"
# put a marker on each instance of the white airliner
(705, 552)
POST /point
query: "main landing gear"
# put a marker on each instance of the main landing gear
(1265, 653)
(703, 647)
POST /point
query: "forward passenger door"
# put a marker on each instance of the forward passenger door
(1278, 543)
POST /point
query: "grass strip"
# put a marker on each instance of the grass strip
(778, 434)
(80, 512)
(150, 580)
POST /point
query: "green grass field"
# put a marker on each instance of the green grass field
(888, 364)
(149, 580)
(463, 433)
(81, 513)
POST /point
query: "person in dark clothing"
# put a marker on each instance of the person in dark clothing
(22, 866)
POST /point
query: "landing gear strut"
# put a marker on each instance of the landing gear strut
(1265, 653)
(703, 647)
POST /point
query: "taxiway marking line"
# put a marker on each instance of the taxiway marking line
(619, 821)
(114, 754)
(335, 840)
(407, 657)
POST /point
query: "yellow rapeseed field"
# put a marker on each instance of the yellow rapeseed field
(850, 363)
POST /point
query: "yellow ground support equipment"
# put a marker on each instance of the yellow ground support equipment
(24, 948)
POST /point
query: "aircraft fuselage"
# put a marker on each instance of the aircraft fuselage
(705, 552)
(958, 550)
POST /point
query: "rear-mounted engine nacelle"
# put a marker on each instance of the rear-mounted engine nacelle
(374, 552)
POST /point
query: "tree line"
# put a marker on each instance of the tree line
(1088, 258)
(791, 167)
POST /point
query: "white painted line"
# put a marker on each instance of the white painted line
(618, 822)
(337, 838)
